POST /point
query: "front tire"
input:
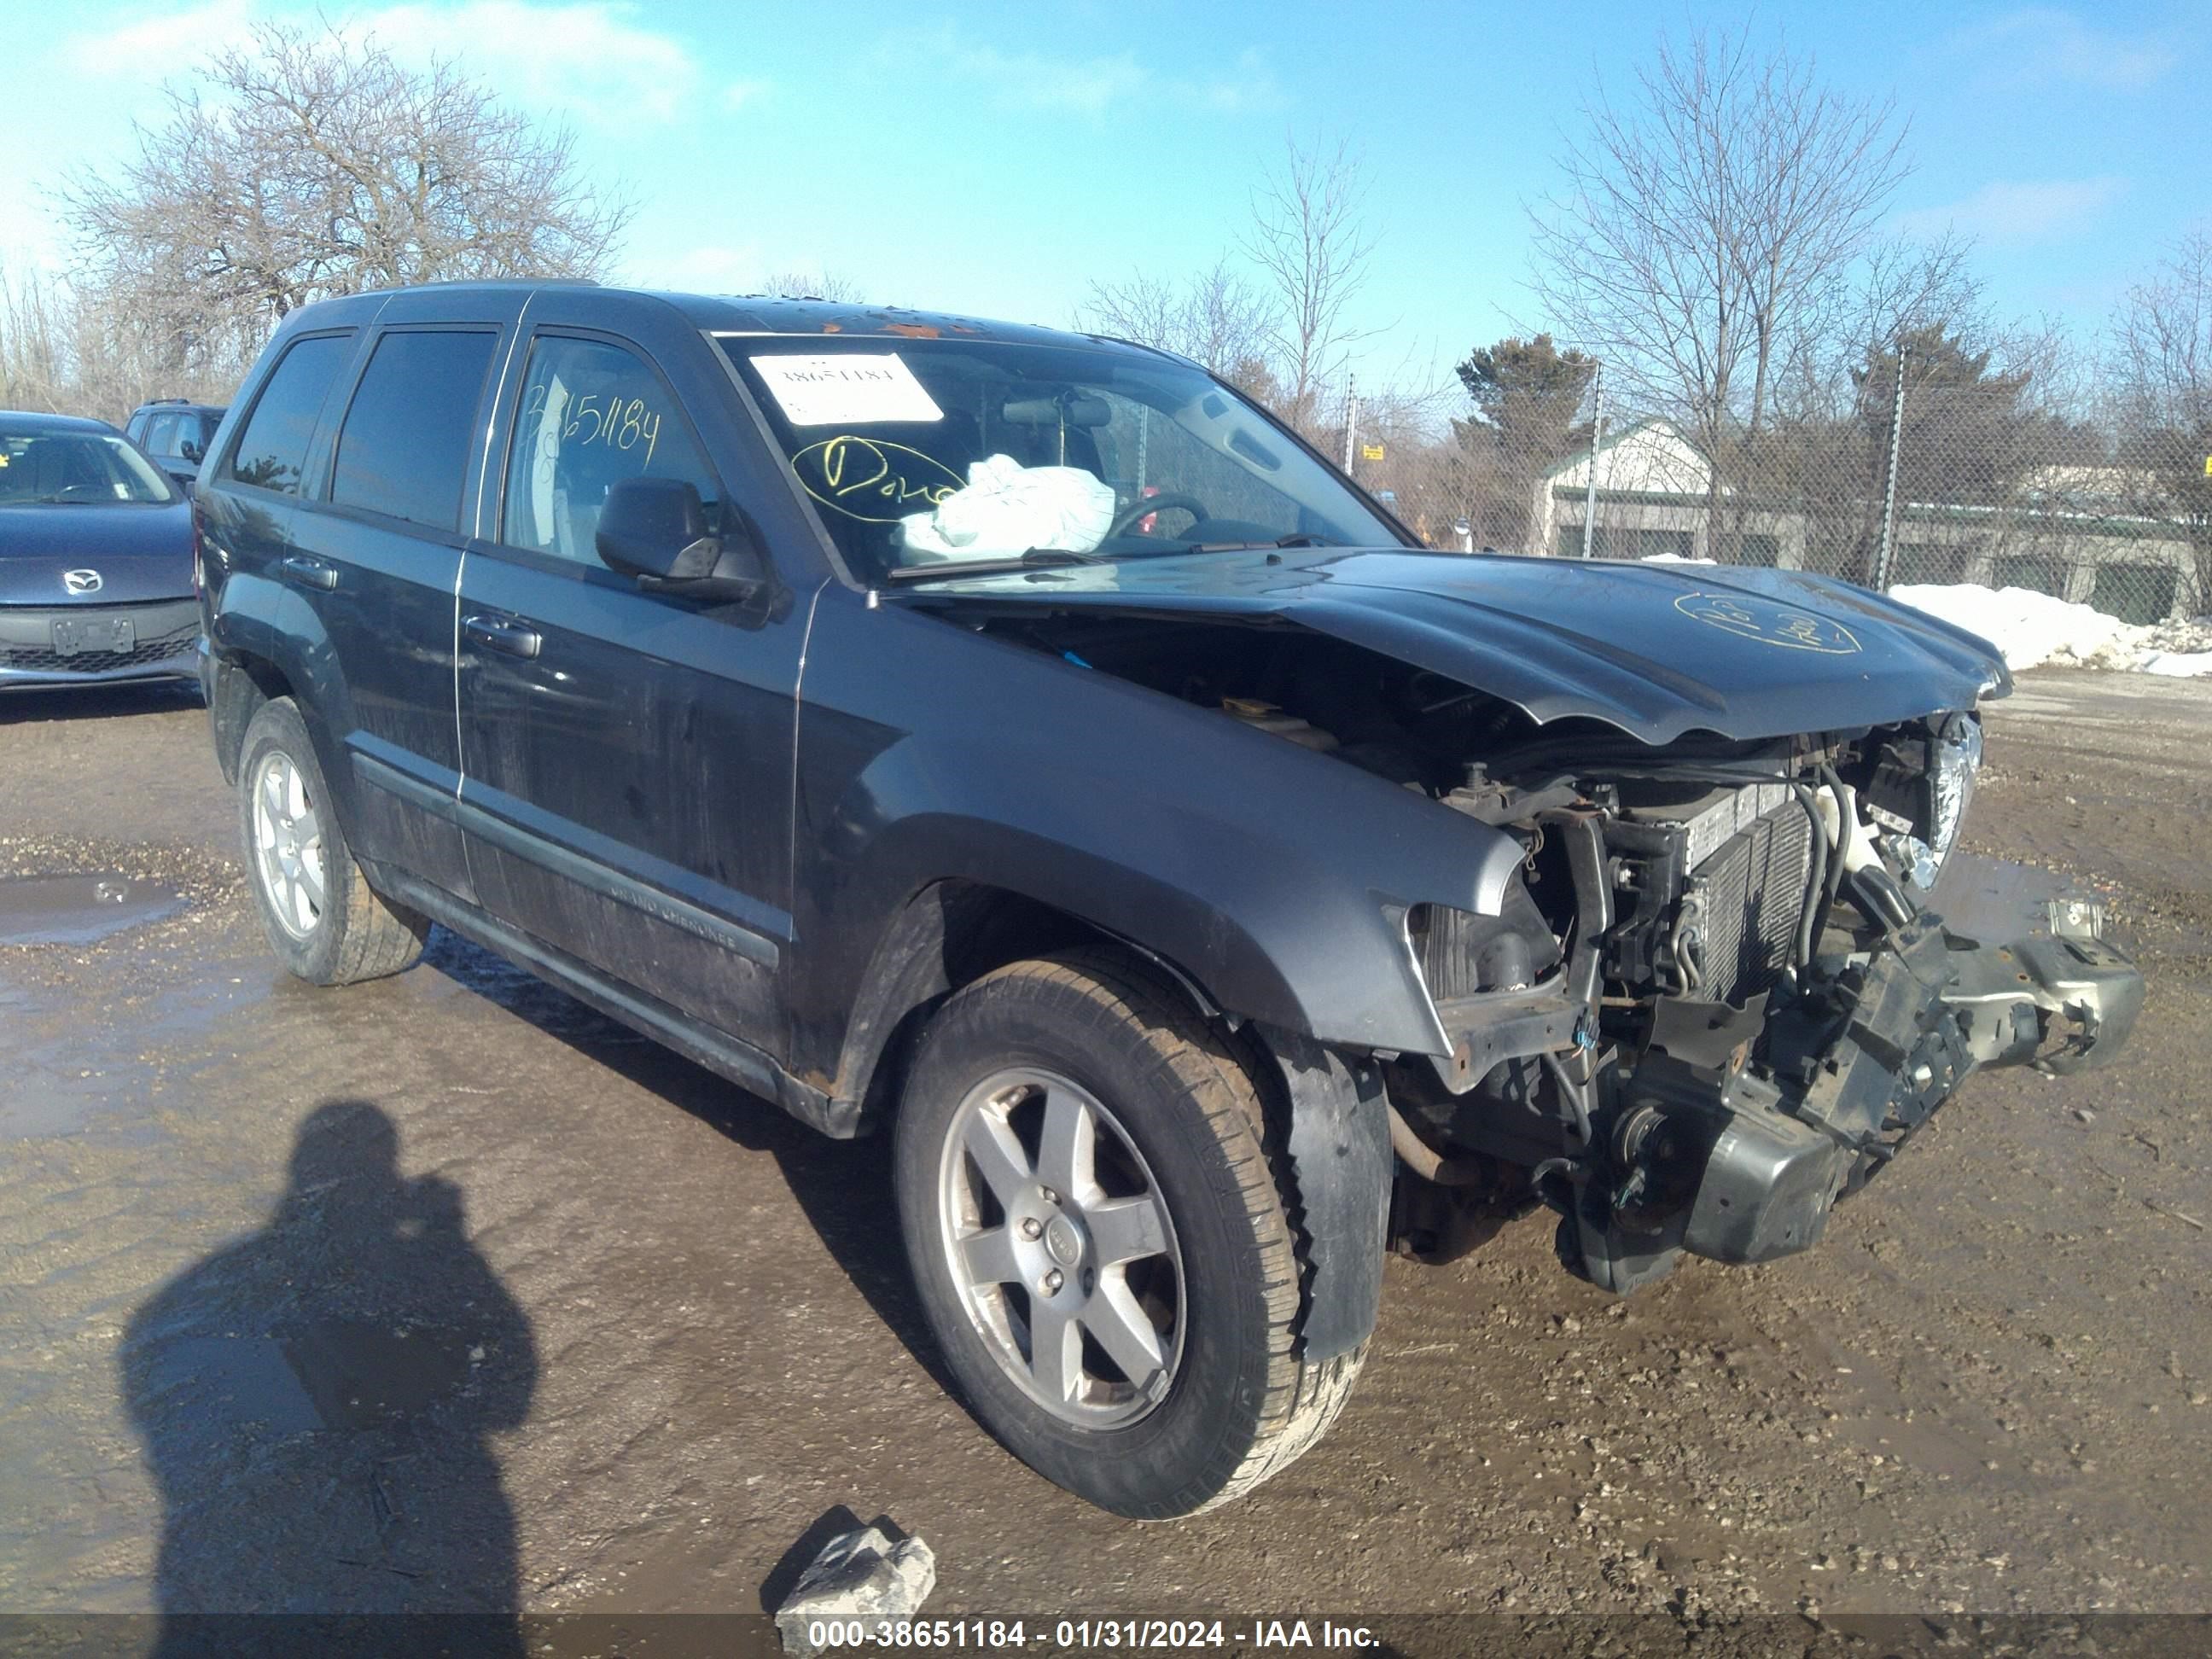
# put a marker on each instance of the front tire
(1100, 1241)
(321, 916)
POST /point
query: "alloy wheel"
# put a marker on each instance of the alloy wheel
(287, 844)
(1061, 1248)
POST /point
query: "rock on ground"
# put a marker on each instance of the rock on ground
(860, 1575)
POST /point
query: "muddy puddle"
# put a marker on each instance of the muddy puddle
(80, 909)
(70, 1065)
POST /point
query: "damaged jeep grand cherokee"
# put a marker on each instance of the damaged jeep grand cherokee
(1019, 744)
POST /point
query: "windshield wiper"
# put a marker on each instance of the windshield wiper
(1037, 558)
(1299, 540)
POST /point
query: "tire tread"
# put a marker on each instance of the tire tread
(1302, 1398)
(368, 936)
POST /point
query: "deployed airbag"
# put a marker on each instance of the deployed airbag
(1007, 509)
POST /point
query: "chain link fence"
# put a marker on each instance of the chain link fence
(1924, 480)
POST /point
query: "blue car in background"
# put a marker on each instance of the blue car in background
(95, 558)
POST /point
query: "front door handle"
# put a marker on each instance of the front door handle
(311, 573)
(499, 634)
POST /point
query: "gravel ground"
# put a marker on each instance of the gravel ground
(444, 1292)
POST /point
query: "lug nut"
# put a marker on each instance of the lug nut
(1052, 1282)
(1032, 1227)
(1050, 1196)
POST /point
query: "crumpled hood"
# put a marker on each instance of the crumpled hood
(141, 552)
(1657, 649)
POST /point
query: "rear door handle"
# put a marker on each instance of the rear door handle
(311, 573)
(499, 634)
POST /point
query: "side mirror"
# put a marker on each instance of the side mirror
(657, 530)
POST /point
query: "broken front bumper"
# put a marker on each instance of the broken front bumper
(1713, 1158)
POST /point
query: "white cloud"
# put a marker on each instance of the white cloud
(738, 94)
(1029, 79)
(594, 59)
(2007, 213)
(1252, 86)
(1087, 86)
(157, 44)
(2042, 44)
(585, 57)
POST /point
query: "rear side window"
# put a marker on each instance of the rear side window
(272, 451)
(593, 414)
(405, 446)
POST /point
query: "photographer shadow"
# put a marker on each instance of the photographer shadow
(317, 1402)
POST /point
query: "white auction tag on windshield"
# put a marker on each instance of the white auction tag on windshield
(847, 390)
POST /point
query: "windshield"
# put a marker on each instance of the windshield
(925, 454)
(44, 468)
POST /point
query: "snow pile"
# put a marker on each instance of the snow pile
(2032, 629)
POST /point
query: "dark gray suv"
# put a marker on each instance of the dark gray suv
(176, 434)
(1019, 744)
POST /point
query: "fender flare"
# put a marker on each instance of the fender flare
(1341, 1171)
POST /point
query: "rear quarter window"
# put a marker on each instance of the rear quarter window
(272, 450)
(403, 449)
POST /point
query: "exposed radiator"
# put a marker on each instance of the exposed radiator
(1752, 895)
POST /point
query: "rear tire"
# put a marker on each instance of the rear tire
(1220, 1400)
(321, 916)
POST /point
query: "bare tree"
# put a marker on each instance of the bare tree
(2162, 380)
(1213, 318)
(34, 368)
(1311, 248)
(62, 349)
(1705, 234)
(820, 283)
(305, 162)
(1823, 453)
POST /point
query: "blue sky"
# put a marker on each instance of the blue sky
(996, 158)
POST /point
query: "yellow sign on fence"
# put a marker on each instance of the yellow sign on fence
(1373, 453)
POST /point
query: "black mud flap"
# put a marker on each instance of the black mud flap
(1339, 1153)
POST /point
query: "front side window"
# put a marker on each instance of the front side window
(46, 468)
(194, 434)
(592, 415)
(272, 451)
(918, 451)
(405, 446)
(161, 436)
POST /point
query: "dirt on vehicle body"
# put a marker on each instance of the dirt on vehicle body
(824, 693)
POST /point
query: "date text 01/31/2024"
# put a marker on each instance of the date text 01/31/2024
(1075, 1635)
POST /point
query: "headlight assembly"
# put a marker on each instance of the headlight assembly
(1956, 755)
